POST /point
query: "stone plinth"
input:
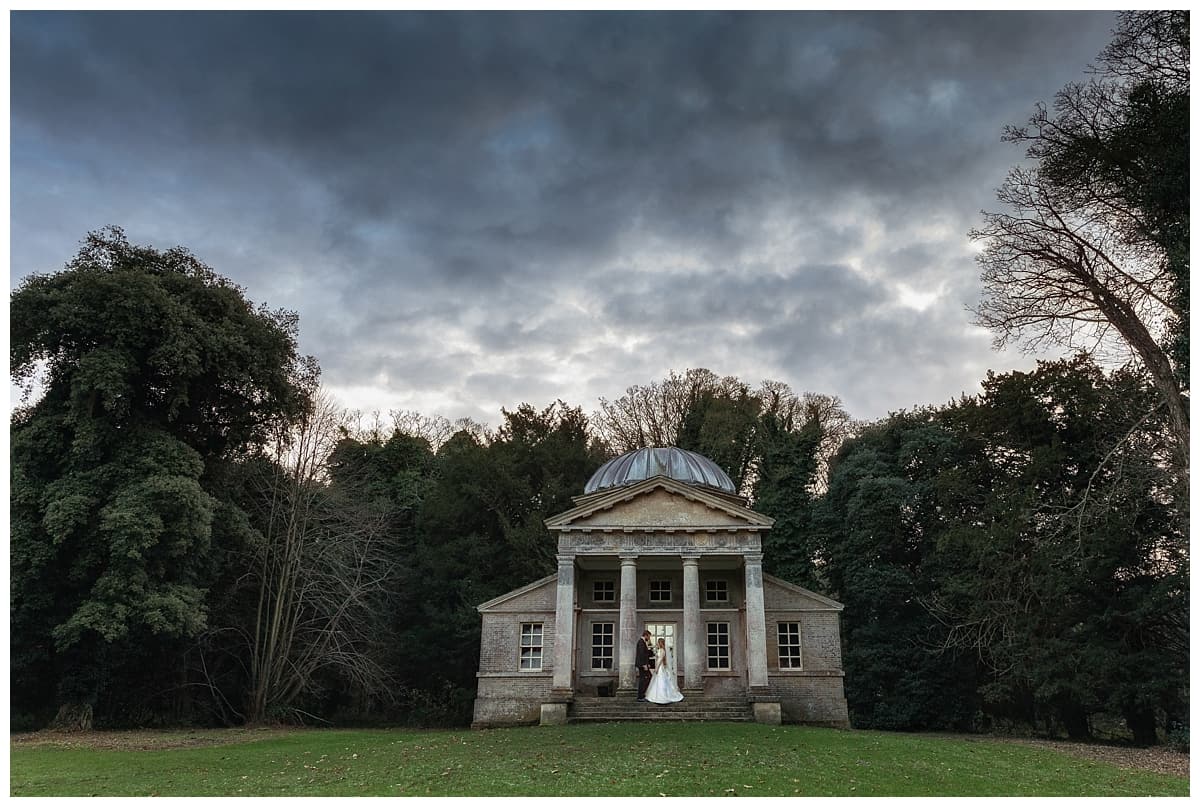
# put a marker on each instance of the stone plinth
(554, 714)
(768, 713)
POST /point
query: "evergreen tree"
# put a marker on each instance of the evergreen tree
(155, 369)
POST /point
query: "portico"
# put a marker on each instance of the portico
(733, 597)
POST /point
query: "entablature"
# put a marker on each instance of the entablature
(659, 542)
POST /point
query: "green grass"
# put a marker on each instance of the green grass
(607, 759)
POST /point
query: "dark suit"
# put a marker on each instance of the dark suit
(644, 661)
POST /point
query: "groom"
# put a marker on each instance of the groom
(645, 663)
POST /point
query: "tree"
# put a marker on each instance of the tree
(654, 414)
(794, 440)
(435, 429)
(480, 534)
(156, 369)
(721, 424)
(318, 571)
(719, 418)
(1094, 251)
(1069, 580)
(877, 528)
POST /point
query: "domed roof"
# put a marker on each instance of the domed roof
(643, 463)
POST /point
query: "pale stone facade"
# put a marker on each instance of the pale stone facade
(687, 561)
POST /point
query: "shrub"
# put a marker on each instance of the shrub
(1177, 737)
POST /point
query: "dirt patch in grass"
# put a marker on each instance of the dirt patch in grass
(1156, 759)
(145, 739)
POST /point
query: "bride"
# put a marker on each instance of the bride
(662, 687)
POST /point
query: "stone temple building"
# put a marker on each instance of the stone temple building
(660, 540)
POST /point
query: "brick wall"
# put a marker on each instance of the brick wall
(820, 639)
(810, 698)
(510, 700)
(500, 640)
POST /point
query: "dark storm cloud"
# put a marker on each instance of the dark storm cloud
(473, 209)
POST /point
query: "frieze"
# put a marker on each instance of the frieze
(589, 543)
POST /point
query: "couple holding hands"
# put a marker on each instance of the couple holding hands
(656, 671)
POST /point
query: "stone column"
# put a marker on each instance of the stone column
(564, 625)
(756, 622)
(693, 631)
(626, 658)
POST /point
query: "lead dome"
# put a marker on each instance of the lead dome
(644, 463)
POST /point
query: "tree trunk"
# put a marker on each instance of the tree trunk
(73, 717)
(1156, 362)
(1075, 721)
(1142, 724)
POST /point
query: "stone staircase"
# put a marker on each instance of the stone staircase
(692, 707)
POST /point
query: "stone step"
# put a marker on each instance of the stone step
(682, 705)
(664, 707)
(738, 701)
(649, 705)
(697, 718)
(648, 711)
(637, 712)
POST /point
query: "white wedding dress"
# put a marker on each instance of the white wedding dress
(662, 687)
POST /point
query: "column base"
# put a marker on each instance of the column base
(561, 695)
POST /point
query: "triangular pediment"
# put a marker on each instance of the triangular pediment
(524, 596)
(658, 502)
(780, 594)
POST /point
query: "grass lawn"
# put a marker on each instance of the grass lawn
(713, 759)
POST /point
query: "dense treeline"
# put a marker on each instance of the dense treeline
(200, 536)
(1014, 558)
(225, 547)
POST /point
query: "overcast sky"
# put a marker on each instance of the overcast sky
(473, 210)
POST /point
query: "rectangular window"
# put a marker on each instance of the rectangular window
(531, 645)
(660, 591)
(718, 645)
(604, 591)
(664, 631)
(789, 645)
(602, 645)
(716, 591)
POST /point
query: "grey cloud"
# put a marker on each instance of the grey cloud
(398, 177)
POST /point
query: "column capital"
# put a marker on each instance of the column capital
(564, 560)
(690, 558)
(628, 560)
(752, 557)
